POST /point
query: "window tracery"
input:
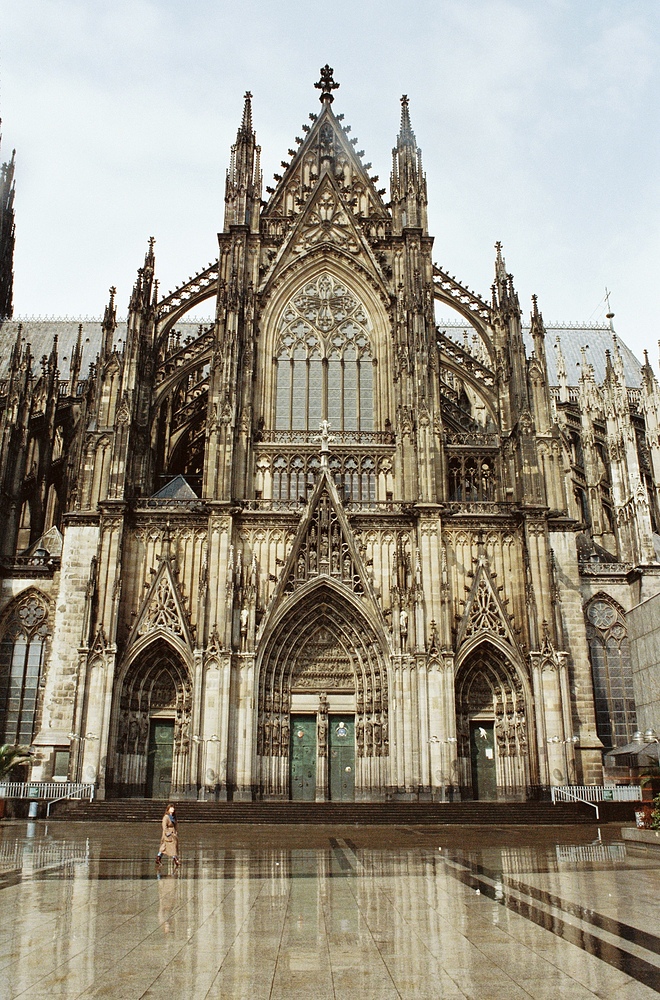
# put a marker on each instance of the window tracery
(324, 360)
(21, 661)
(611, 668)
(472, 478)
(355, 475)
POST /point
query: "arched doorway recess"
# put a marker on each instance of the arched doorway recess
(494, 724)
(323, 689)
(152, 725)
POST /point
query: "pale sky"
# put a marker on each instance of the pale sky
(538, 121)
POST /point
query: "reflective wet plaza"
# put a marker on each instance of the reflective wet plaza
(321, 912)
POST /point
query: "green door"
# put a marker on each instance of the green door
(482, 748)
(303, 758)
(159, 759)
(342, 758)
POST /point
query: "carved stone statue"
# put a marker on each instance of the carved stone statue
(245, 621)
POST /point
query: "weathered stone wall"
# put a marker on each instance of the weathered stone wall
(80, 546)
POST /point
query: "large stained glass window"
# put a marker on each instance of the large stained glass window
(324, 360)
(609, 650)
(21, 661)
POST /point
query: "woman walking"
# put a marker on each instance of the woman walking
(169, 841)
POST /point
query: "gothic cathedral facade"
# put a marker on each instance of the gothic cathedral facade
(320, 548)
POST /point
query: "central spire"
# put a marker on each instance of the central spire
(326, 84)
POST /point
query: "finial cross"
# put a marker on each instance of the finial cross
(326, 84)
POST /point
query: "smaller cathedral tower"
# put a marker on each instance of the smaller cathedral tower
(243, 187)
(408, 183)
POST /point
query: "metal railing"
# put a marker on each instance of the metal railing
(603, 793)
(46, 791)
(562, 794)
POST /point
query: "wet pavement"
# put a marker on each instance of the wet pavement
(327, 912)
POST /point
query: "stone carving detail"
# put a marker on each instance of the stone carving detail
(338, 654)
(324, 550)
(326, 665)
(327, 222)
(325, 310)
(163, 611)
(164, 605)
(484, 613)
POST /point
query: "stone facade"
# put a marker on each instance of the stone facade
(323, 515)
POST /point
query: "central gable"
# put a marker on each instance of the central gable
(325, 150)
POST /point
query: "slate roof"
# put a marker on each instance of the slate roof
(598, 337)
(177, 489)
(39, 333)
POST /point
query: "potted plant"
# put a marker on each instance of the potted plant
(655, 814)
(650, 782)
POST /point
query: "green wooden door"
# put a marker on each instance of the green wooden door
(342, 758)
(303, 758)
(159, 758)
(482, 750)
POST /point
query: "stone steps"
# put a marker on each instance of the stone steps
(335, 813)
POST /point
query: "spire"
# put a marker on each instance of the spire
(7, 236)
(407, 181)
(109, 325)
(648, 378)
(538, 335)
(243, 184)
(141, 297)
(246, 124)
(76, 362)
(326, 84)
(406, 134)
(562, 376)
(617, 360)
(500, 287)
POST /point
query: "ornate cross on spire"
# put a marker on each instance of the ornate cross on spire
(326, 84)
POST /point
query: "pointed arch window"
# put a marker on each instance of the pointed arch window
(611, 668)
(324, 360)
(21, 662)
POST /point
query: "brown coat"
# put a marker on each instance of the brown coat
(169, 841)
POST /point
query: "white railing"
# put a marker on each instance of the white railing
(601, 793)
(563, 794)
(50, 791)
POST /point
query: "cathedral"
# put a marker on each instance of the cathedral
(362, 535)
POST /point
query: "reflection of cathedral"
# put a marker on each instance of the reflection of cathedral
(321, 547)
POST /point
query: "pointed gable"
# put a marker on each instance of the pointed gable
(484, 611)
(326, 150)
(164, 607)
(324, 545)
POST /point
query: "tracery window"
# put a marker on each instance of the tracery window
(295, 475)
(324, 360)
(21, 662)
(609, 651)
(472, 478)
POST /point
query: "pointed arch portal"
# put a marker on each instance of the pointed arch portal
(152, 725)
(322, 716)
(493, 720)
